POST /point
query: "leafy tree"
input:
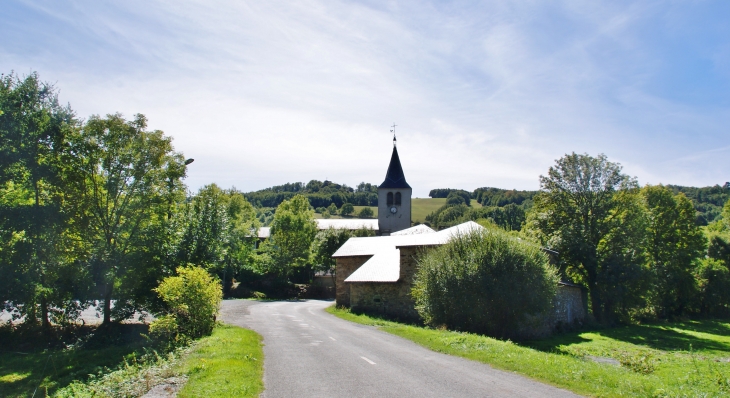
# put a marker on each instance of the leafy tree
(366, 212)
(454, 199)
(484, 282)
(220, 233)
(39, 271)
(589, 213)
(292, 232)
(332, 209)
(127, 171)
(675, 244)
(324, 245)
(347, 209)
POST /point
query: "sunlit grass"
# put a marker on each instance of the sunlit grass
(653, 360)
(230, 363)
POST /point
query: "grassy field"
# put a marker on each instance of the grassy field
(230, 363)
(420, 208)
(689, 359)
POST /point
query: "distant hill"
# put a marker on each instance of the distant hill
(509, 205)
(319, 193)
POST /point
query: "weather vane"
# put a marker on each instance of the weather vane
(393, 131)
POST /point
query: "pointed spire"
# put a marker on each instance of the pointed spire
(394, 178)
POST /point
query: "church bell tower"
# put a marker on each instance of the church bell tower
(394, 198)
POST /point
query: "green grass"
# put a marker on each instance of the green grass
(22, 370)
(661, 360)
(230, 363)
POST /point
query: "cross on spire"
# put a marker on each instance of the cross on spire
(393, 131)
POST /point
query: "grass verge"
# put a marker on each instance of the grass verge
(665, 360)
(227, 363)
(230, 363)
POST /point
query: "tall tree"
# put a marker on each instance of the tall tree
(221, 232)
(588, 212)
(675, 243)
(292, 232)
(40, 244)
(127, 173)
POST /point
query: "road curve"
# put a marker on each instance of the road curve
(310, 353)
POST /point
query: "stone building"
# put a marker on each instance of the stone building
(394, 198)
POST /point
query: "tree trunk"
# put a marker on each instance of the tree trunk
(45, 322)
(108, 303)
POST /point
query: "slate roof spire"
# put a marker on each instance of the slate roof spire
(394, 178)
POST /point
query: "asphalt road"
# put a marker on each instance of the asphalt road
(310, 353)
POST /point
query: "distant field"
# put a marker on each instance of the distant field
(421, 207)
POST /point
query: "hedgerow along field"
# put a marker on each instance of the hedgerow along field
(658, 360)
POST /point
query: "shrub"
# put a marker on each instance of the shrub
(484, 282)
(192, 299)
(347, 209)
(366, 212)
(714, 283)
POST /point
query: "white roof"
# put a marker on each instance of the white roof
(418, 229)
(384, 265)
(264, 232)
(347, 223)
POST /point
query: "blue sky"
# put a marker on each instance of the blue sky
(484, 93)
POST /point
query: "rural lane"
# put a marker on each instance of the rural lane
(311, 353)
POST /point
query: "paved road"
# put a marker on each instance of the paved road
(310, 353)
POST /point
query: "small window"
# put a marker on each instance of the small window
(390, 198)
(397, 198)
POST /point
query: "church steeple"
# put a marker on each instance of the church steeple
(394, 178)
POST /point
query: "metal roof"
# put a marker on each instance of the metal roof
(383, 264)
(382, 267)
(418, 229)
(395, 178)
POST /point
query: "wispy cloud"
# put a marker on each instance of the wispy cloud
(485, 94)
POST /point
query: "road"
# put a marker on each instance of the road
(311, 353)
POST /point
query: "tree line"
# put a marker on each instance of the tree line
(320, 194)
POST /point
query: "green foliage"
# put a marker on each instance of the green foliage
(713, 278)
(318, 193)
(41, 250)
(292, 233)
(674, 245)
(332, 209)
(365, 212)
(503, 197)
(192, 298)
(484, 282)
(220, 232)
(130, 180)
(347, 209)
(589, 212)
(326, 243)
(707, 201)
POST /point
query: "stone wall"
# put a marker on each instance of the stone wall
(345, 267)
(392, 299)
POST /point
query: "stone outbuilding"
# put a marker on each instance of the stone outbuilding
(375, 274)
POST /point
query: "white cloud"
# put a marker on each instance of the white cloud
(263, 93)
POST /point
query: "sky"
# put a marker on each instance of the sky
(483, 93)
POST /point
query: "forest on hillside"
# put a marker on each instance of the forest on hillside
(508, 207)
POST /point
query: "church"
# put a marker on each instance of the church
(376, 274)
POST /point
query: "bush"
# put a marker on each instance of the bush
(192, 299)
(366, 212)
(347, 209)
(714, 283)
(485, 282)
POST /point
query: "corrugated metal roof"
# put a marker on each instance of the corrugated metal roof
(347, 223)
(418, 229)
(382, 267)
(384, 264)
